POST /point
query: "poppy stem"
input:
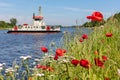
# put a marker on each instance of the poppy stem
(67, 70)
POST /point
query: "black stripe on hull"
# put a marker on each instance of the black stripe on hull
(33, 31)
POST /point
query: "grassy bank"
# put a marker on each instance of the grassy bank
(81, 57)
(101, 49)
(4, 28)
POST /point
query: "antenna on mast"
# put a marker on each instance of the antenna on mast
(40, 12)
(33, 15)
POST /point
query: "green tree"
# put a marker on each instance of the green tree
(13, 21)
(2, 24)
(94, 23)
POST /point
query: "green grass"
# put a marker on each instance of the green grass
(97, 41)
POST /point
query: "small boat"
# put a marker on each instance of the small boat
(37, 27)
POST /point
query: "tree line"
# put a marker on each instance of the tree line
(3, 24)
(115, 17)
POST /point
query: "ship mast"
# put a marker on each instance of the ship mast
(38, 19)
(40, 11)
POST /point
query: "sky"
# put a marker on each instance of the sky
(56, 12)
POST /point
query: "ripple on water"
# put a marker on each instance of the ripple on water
(12, 46)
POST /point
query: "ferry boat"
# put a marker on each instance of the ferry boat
(37, 27)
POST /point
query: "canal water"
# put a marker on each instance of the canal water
(12, 46)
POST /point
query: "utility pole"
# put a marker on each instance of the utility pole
(77, 23)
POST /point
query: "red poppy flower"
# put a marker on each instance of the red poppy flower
(104, 58)
(44, 49)
(96, 16)
(85, 36)
(30, 78)
(98, 62)
(50, 68)
(38, 66)
(56, 57)
(89, 17)
(59, 52)
(85, 63)
(44, 68)
(63, 50)
(81, 40)
(92, 18)
(106, 78)
(109, 34)
(96, 52)
(75, 62)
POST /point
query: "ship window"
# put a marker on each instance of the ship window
(52, 27)
(43, 27)
(37, 19)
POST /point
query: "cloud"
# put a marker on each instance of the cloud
(78, 9)
(71, 9)
(87, 10)
(3, 4)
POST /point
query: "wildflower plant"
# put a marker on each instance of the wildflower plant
(101, 49)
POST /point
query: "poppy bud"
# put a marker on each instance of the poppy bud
(59, 52)
(44, 49)
(75, 62)
(85, 36)
(109, 34)
(85, 63)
